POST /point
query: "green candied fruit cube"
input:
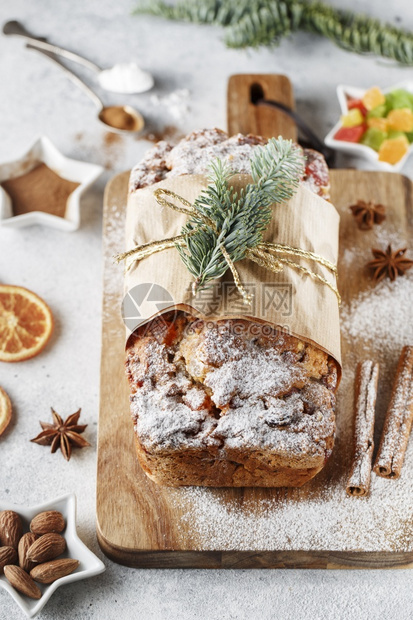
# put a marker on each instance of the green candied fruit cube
(394, 133)
(399, 99)
(373, 138)
(379, 111)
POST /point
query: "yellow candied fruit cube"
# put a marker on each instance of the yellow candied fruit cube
(352, 118)
(393, 149)
(400, 119)
(378, 123)
(372, 98)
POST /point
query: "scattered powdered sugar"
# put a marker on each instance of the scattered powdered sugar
(338, 522)
(112, 245)
(177, 102)
(381, 318)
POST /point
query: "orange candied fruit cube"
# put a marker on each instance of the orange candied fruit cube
(400, 119)
(393, 149)
(373, 98)
(378, 123)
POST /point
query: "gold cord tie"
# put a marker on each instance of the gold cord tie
(265, 254)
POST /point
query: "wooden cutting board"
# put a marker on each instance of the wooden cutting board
(141, 524)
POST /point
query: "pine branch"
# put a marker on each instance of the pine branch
(220, 12)
(238, 222)
(252, 23)
(358, 33)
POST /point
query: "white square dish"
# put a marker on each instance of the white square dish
(361, 150)
(44, 151)
(90, 564)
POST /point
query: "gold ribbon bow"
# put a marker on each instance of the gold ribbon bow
(268, 255)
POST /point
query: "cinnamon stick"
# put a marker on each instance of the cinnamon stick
(398, 421)
(367, 375)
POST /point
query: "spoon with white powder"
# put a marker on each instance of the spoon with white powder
(127, 78)
(120, 118)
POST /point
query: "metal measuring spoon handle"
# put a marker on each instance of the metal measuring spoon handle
(16, 28)
(135, 120)
(96, 100)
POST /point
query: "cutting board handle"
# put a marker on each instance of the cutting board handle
(264, 105)
(244, 116)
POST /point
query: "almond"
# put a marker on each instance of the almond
(25, 543)
(50, 571)
(11, 528)
(22, 581)
(47, 547)
(49, 521)
(8, 555)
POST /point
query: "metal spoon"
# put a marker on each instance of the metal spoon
(120, 118)
(16, 28)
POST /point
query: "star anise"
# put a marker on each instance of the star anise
(368, 213)
(61, 434)
(389, 263)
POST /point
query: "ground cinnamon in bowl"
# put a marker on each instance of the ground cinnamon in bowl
(41, 189)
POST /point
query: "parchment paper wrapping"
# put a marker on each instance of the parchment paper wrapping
(298, 303)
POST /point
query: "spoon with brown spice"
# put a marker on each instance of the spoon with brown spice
(118, 118)
(126, 78)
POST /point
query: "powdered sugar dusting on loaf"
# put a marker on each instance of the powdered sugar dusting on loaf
(163, 428)
(262, 400)
(194, 153)
(252, 376)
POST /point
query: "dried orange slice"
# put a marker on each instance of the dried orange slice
(5, 411)
(26, 323)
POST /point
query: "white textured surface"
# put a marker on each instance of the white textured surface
(65, 268)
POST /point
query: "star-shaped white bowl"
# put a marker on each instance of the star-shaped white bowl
(89, 566)
(43, 151)
(344, 93)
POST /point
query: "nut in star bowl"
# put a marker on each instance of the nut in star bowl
(347, 94)
(89, 564)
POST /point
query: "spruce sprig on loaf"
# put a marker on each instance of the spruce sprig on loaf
(238, 221)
